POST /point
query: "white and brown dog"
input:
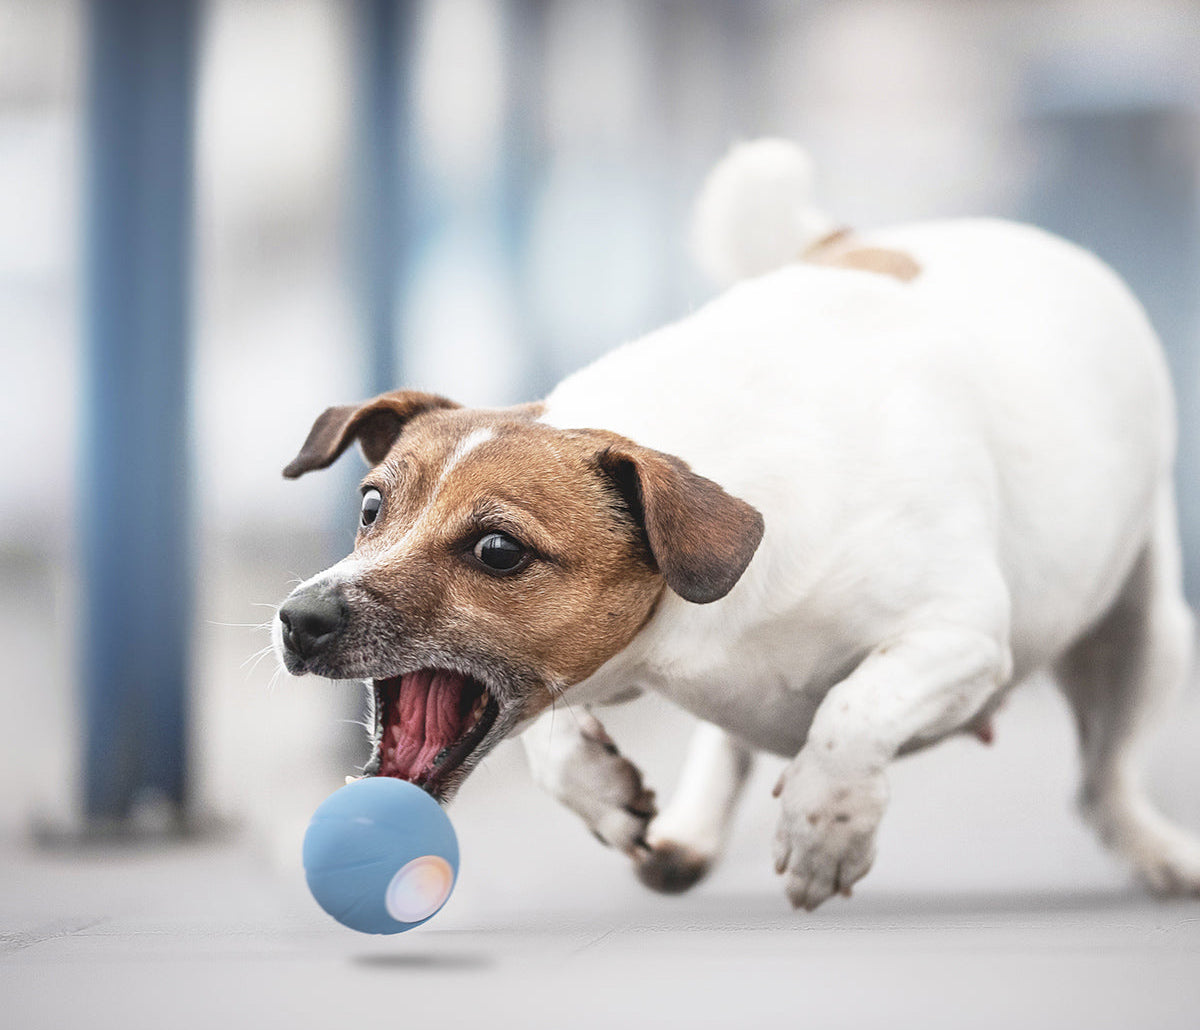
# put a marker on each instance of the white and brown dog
(837, 514)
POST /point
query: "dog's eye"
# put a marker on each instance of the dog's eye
(371, 503)
(500, 553)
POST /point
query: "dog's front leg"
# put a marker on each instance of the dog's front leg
(916, 688)
(574, 759)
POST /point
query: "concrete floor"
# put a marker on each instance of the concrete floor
(989, 905)
(204, 937)
(992, 912)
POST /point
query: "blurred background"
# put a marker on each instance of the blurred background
(217, 218)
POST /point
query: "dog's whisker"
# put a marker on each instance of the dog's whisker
(570, 709)
(561, 703)
(557, 695)
(239, 625)
(257, 657)
(264, 650)
(278, 675)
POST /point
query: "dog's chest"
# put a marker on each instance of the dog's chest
(762, 683)
(758, 706)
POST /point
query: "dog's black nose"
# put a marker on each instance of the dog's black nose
(311, 621)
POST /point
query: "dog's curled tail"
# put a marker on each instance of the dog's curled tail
(755, 211)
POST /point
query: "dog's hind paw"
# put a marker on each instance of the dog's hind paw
(1165, 857)
(1168, 862)
(1172, 879)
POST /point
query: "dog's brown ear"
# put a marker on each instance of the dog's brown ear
(701, 538)
(375, 424)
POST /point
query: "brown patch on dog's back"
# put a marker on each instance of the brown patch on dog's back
(842, 250)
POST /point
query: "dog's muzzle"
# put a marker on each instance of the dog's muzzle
(435, 710)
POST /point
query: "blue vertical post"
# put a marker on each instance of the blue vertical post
(384, 132)
(134, 509)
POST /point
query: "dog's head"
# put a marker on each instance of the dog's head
(498, 562)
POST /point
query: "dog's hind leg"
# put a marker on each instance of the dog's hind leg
(687, 837)
(1115, 678)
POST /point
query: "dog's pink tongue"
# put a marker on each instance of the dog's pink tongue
(425, 719)
(442, 722)
(407, 723)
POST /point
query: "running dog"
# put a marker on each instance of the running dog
(836, 514)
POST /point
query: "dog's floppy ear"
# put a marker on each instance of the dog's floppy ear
(375, 424)
(701, 538)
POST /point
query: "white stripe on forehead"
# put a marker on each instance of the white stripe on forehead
(464, 447)
(467, 444)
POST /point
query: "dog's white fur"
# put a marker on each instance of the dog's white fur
(965, 478)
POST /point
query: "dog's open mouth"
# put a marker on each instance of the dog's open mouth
(430, 722)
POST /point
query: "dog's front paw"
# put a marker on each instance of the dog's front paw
(825, 841)
(622, 809)
(592, 777)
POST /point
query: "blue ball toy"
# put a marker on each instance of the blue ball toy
(380, 855)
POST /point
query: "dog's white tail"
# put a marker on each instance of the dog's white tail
(755, 212)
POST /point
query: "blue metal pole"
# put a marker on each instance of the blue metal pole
(385, 30)
(135, 452)
(520, 163)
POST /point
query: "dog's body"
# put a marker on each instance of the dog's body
(936, 452)
(964, 476)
